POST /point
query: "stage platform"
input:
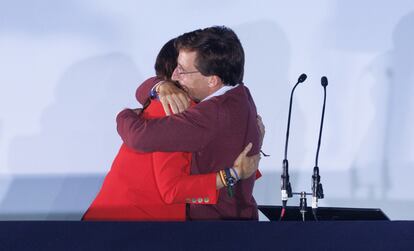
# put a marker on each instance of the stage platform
(231, 235)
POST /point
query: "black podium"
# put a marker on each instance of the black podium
(324, 214)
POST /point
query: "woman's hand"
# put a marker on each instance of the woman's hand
(246, 166)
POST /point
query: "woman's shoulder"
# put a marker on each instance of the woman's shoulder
(154, 110)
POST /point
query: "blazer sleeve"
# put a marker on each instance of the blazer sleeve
(188, 131)
(143, 91)
(177, 186)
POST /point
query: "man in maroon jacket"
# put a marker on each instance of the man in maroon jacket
(210, 68)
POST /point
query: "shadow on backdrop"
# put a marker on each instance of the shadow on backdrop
(78, 135)
(355, 27)
(48, 197)
(1, 131)
(384, 165)
(34, 18)
(267, 52)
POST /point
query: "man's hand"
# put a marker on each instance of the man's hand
(246, 166)
(172, 97)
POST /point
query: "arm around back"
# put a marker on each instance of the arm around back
(176, 185)
(189, 131)
(143, 91)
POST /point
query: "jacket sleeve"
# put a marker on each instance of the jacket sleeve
(177, 186)
(143, 91)
(189, 131)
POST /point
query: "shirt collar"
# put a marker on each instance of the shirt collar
(221, 91)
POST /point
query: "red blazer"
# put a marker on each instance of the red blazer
(151, 186)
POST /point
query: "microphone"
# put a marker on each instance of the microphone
(286, 189)
(317, 189)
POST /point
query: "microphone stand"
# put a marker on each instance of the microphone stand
(317, 189)
(286, 189)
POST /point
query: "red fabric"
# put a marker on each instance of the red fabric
(258, 174)
(151, 186)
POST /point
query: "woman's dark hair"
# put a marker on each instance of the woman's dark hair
(166, 60)
(165, 64)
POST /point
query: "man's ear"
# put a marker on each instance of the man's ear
(214, 81)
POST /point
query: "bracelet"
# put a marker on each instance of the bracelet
(235, 173)
(230, 182)
(154, 91)
(223, 180)
(153, 94)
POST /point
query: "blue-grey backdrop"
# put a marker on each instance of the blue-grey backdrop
(68, 67)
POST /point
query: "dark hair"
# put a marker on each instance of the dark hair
(165, 64)
(166, 60)
(219, 52)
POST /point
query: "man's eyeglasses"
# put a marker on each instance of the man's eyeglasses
(187, 72)
(181, 71)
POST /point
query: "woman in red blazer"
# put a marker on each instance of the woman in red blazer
(156, 186)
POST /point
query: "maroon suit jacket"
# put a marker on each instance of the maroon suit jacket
(215, 131)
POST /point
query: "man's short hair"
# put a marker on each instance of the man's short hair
(219, 52)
